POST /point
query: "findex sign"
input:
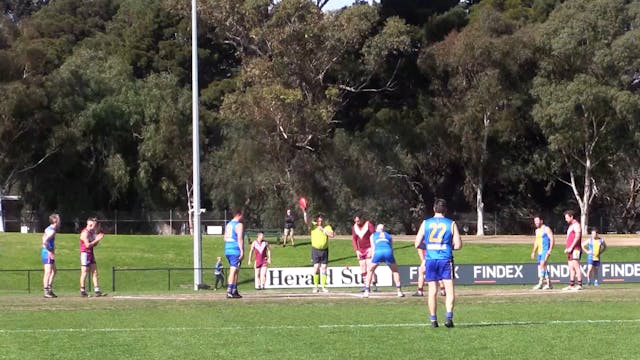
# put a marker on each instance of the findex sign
(465, 274)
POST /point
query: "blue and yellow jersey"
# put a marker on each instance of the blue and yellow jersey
(382, 241)
(543, 242)
(231, 246)
(50, 243)
(438, 238)
(595, 248)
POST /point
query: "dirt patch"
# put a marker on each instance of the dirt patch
(287, 295)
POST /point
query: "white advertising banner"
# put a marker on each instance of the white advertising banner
(337, 276)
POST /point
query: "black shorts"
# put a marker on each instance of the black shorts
(319, 256)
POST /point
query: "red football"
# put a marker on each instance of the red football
(303, 203)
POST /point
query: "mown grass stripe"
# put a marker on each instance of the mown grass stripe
(325, 326)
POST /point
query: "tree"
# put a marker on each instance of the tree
(299, 68)
(24, 144)
(583, 108)
(479, 82)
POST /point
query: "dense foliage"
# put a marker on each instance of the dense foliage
(501, 107)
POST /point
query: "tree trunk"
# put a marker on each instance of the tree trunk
(486, 122)
(480, 211)
(1, 215)
(585, 204)
(190, 208)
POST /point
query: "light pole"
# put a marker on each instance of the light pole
(197, 233)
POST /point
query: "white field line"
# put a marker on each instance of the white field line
(333, 295)
(302, 327)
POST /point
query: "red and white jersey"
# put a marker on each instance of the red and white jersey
(572, 232)
(260, 251)
(91, 235)
(361, 235)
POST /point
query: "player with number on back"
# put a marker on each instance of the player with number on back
(234, 251)
(441, 237)
(382, 249)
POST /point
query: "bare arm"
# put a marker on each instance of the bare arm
(533, 250)
(419, 236)
(268, 254)
(84, 237)
(457, 242)
(250, 253)
(97, 239)
(373, 245)
(354, 238)
(552, 240)
(240, 233)
(329, 232)
(45, 240)
(585, 246)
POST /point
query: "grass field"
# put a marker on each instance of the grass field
(501, 322)
(22, 251)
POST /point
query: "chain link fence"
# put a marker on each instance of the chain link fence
(176, 222)
(169, 222)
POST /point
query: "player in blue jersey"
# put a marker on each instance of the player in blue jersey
(541, 251)
(48, 255)
(441, 237)
(382, 249)
(234, 251)
(594, 247)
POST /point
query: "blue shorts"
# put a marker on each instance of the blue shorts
(436, 270)
(385, 256)
(234, 260)
(592, 262)
(46, 259)
(541, 257)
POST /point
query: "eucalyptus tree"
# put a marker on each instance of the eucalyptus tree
(35, 38)
(584, 107)
(299, 67)
(479, 88)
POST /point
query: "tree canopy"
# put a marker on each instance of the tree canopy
(504, 108)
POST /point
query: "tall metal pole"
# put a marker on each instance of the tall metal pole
(197, 233)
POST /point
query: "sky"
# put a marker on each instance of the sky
(337, 4)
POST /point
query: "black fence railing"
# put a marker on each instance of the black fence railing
(141, 279)
(12, 284)
(206, 273)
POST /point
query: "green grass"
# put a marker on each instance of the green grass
(505, 322)
(22, 251)
(539, 326)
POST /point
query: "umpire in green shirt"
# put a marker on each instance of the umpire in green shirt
(320, 234)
